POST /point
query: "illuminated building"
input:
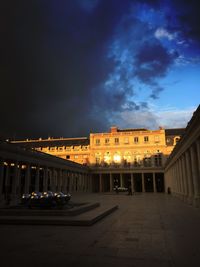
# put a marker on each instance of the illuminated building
(119, 157)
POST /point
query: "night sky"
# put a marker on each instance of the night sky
(73, 67)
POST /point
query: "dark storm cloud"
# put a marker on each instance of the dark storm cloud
(152, 61)
(187, 19)
(53, 57)
(54, 64)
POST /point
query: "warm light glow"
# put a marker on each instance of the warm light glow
(117, 158)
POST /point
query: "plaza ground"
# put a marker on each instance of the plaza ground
(147, 230)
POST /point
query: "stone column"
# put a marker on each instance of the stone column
(177, 179)
(154, 183)
(132, 183)
(59, 179)
(197, 144)
(184, 178)
(89, 183)
(15, 179)
(100, 183)
(111, 182)
(27, 178)
(143, 185)
(180, 179)
(1, 180)
(70, 181)
(45, 179)
(121, 180)
(195, 175)
(16, 185)
(51, 180)
(37, 177)
(190, 181)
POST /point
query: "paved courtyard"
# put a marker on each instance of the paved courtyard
(146, 230)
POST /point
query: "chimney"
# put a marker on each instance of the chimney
(113, 129)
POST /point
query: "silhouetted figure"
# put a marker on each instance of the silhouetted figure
(168, 190)
(130, 190)
(116, 189)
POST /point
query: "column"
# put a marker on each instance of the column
(177, 179)
(195, 175)
(143, 185)
(70, 182)
(132, 184)
(154, 183)
(189, 175)
(59, 179)
(180, 179)
(184, 178)
(100, 183)
(51, 181)
(111, 182)
(197, 143)
(27, 178)
(45, 179)
(15, 180)
(121, 180)
(37, 177)
(1, 179)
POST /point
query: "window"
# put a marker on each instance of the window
(76, 156)
(157, 139)
(136, 140)
(107, 140)
(97, 142)
(68, 157)
(116, 141)
(146, 139)
(126, 140)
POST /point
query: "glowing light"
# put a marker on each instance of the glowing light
(117, 158)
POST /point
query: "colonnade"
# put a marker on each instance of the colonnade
(23, 172)
(140, 182)
(183, 176)
(182, 171)
(17, 179)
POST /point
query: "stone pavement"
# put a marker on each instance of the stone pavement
(147, 230)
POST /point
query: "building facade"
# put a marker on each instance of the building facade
(182, 170)
(121, 157)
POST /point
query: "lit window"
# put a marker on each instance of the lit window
(76, 156)
(157, 139)
(107, 140)
(97, 141)
(107, 157)
(116, 140)
(117, 158)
